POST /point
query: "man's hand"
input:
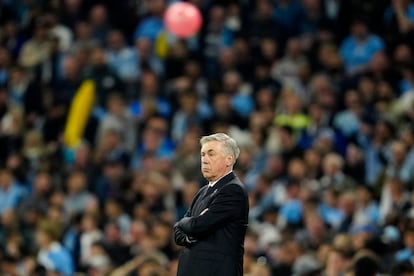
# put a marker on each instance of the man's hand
(182, 238)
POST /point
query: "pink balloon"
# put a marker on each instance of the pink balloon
(183, 19)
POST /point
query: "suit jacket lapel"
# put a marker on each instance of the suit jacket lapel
(223, 181)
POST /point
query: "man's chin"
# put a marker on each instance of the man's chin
(206, 175)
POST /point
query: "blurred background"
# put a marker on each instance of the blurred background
(318, 94)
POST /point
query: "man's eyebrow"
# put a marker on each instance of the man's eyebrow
(209, 151)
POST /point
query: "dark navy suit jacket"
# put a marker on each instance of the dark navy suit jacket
(218, 233)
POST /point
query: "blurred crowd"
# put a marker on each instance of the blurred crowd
(319, 95)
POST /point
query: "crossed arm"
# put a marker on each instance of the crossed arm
(227, 205)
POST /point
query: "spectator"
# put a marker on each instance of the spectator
(239, 92)
(367, 211)
(150, 101)
(11, 193)
(104, 77)
(187, 153)
(394, 199)
(263, 25)
(62, 33)
(114, 213)
(113, 244)
(52, 255)
(347, 121)
(68, 83)
(187, 116)
(83, 37)
(287, 69)
(118, 118)
(398, 19)
(155, 144)
(12, 38)
(356, 61)
(151, 26)
(98, 19)
(77, 194)
(216, 39)
(405, 253)
(315, 233)
(90, 234)
(338, 261)
(122, 58)
(37, 49)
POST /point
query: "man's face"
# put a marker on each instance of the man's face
(214, 162)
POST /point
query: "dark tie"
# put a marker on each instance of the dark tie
(211, 189)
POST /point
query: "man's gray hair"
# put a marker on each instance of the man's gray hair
(230, 146)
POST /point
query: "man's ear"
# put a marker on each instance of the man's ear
(229, 160)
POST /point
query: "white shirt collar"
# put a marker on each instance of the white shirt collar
(211, 184)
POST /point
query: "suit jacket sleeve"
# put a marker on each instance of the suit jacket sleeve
(180, 237)
(224, 208)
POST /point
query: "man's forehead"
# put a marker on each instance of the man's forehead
(211, 145)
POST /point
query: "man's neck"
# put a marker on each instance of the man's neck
(212, 183)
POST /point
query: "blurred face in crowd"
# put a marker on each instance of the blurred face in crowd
(336, 263)
(83, 30)
(352, 99)
(42, 183)
(402, 54)
(215, 163)
(5, 179)
(116, 104)
(409, 238)
(188, 102)
(98, 57)
(347, 203)
(4, 58)
(43, 239)
(154, 133)
(112, 233)
(296, 168)
(149, 84)
(359, 30)
(98, 15)
(76, 183)
(144, 47)
(115, 40)
(156, 7)
(73, 6)
(222, 103)
(332, 164)
(227, 58)
(399, 151)
(293, 48)
(312, 158)
(381, 131)
(89, 223)
(264, 9)
(71, 68)
(41, 33)
(192, 69)
(216, 16)
(269, 48)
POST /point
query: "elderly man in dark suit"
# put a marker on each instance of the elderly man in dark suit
(214, 227)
